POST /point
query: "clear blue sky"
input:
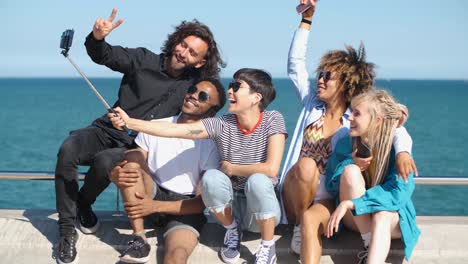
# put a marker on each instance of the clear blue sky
(405, 38)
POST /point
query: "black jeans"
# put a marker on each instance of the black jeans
(90, 146)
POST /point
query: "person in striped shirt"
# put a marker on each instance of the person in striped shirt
(240, 193)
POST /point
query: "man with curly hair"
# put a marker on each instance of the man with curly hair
(153, 86)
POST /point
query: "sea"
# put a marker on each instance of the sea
(36, 115)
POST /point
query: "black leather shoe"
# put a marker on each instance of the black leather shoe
(67, 248)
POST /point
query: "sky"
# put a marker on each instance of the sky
(407, 39)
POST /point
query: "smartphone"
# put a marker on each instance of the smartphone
(363, 151)
(66, 39)
(301, 8)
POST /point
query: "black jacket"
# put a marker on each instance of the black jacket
(146, 91)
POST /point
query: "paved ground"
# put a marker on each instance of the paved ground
(29, 236)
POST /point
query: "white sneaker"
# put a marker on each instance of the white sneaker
(296, 240)
(265, 254)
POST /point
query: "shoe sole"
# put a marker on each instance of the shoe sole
(128, 259)
(73, 262)
(88, 230)
(294, 251)
(229, 260)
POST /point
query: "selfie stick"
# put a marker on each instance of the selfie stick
(65, 44)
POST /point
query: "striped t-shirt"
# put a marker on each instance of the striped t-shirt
(240, 148)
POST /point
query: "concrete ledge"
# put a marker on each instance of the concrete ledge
(30, 235)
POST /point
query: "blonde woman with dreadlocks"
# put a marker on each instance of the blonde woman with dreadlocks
(379, 200)
(341, 75)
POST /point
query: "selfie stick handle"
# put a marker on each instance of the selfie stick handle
(109, 109)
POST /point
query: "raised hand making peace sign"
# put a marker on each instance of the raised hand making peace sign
(102, 27)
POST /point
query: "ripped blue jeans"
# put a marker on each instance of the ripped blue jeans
(256, 202)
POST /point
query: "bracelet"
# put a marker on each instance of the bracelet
(306, 21)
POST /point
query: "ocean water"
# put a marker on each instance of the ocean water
(37, 114)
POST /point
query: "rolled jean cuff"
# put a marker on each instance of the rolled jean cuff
(219, 208)
(216, 191)
(264, 216)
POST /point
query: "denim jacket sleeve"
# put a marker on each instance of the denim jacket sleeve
(391, 195)
(297, 70)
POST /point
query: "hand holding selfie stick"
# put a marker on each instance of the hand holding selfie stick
(65, 44)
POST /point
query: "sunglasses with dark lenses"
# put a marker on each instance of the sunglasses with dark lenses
(235, 85)
(326, 75)
(202, 95)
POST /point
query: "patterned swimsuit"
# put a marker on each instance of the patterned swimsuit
(315, 146)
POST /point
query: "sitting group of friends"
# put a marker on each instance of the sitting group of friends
(171, 157)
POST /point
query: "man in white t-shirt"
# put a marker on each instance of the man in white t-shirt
(161, 178)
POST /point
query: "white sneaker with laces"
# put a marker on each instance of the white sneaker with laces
(296, 240)
(265, 254)
(230, 251)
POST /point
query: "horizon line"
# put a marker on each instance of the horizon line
(230, 77)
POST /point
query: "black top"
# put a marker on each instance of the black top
(146, 91)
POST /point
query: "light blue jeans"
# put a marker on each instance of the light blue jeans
(257, 202)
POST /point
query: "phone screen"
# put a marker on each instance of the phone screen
(301, 8)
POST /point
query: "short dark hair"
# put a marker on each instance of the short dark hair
(214, 63)
(260, 82)
(219, 88)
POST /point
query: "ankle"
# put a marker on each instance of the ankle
(268, 242)
(232, 225)
(141, 234)
(366, 238)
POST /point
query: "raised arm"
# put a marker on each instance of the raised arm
(117, 58)
(297, 69)
(270, 167)
(194, 130)
(103, 27)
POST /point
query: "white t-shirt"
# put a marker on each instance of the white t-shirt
(176, 164)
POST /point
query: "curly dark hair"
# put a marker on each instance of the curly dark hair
(354, 74)
(214, 63)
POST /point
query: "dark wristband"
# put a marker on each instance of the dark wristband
(306, 21)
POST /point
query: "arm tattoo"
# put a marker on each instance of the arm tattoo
(195, 131)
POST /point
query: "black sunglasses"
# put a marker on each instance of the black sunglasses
(202, 95)
(326, 75)
(235, 85)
